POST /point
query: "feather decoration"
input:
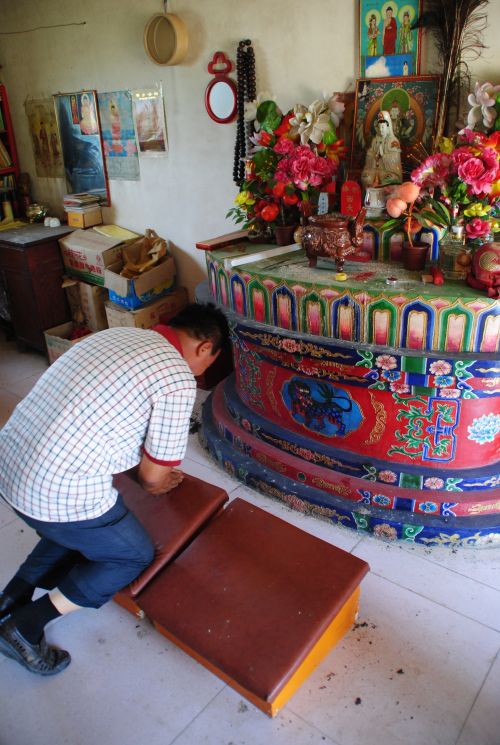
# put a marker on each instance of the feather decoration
(457, 27)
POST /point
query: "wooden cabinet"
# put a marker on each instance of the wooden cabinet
(31, 271)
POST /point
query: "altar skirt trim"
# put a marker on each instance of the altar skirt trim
(389, 524)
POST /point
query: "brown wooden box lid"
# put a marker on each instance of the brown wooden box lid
(252, 595)
(172, 520)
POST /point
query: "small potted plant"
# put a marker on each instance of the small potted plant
(400, 207)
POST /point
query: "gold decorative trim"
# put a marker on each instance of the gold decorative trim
(380, 421)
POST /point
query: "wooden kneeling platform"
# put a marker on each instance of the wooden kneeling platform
(257, 601)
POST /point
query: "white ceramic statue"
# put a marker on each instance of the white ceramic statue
(383, 157)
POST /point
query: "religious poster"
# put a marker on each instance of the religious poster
(87, 114)
(81, 142)
(149, 120)
(45, 138)
(388, 45)
(412, 107)
(118, 135)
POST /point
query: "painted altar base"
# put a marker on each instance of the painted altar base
(374, 405)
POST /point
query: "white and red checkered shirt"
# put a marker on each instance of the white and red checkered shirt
(111, 397)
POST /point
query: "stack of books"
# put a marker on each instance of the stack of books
(80, 202)
(5, 159)
(83, 210)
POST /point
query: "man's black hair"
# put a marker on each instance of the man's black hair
(203, 321)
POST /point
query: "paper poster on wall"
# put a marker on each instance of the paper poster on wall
(149, 120)
(118, 135)
(45, 138)
(82, 148)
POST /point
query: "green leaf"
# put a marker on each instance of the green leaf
(430, 216)
(392, 223)
(442, 210)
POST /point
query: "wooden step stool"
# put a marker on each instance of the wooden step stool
(257, 601)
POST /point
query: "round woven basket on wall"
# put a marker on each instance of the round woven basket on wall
(166, 39)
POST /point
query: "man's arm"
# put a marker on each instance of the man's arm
(157, 479)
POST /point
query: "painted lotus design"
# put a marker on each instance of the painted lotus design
(484, 429)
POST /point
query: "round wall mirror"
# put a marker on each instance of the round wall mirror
(220, 95)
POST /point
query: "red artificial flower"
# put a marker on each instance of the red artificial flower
(261, 204)
(285, 125)
(279, 189)
(265, 139)
(270, 212)
(290, 199)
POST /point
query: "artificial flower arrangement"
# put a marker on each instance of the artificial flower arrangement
(295, 156)
(457, 188)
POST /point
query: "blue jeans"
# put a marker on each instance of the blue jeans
(88, 560)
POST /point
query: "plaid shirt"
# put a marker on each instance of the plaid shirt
(93, 413)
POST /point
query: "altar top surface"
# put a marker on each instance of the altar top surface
(372, 275)
(284, 291)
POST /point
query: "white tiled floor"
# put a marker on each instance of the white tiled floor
(421, 668)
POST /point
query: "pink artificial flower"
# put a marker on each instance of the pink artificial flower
(305, 152)
(301, 172)
(470, 137)
(282, 174)
(434, 171)
(284, 146)
(324, 167)
(477, 228)
(477, 171)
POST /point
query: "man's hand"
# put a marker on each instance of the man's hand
(157, 479)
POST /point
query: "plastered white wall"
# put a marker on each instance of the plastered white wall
(302, 50)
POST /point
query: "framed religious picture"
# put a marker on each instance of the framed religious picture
(45, 137)
(118, 134)
(411, 103)
(81, 141)
(388, 45)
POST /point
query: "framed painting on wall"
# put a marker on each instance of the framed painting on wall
(412, 106)
(45, 137)
(80, 132)
(388, 45)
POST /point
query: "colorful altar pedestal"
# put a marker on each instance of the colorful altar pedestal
(375, 405)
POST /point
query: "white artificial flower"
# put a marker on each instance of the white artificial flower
(310, 123)
(337, 109)
(482, 103)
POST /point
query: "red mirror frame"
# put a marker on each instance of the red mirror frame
(220, 66)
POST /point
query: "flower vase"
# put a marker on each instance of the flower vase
(415, 256)
(454, 258)
(284, 234)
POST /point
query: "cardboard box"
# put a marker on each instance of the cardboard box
(58, 341)
(149, 286)
(86, 253)
(159, 311)
(87, 303)
(85, 219)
